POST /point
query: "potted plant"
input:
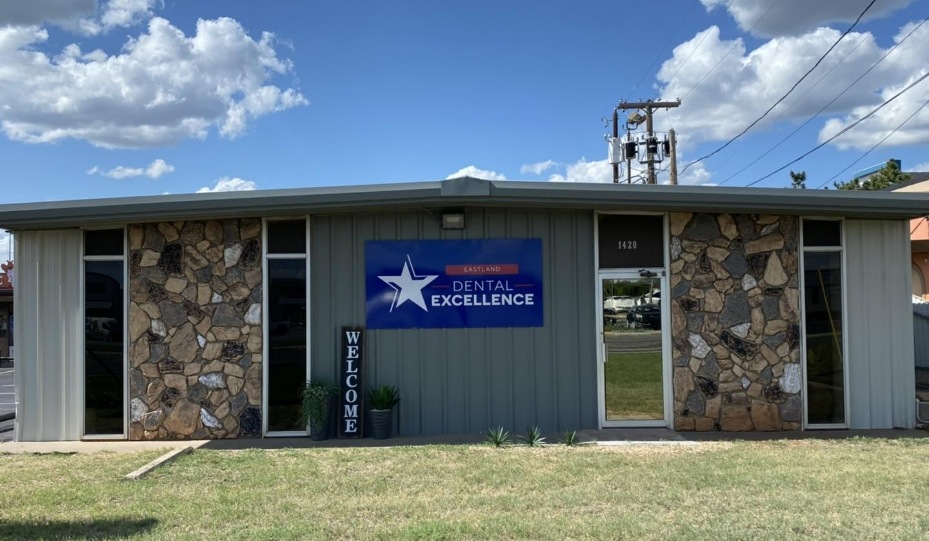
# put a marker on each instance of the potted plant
(382, 398)
(316, 400)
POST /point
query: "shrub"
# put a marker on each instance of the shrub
(498, 437)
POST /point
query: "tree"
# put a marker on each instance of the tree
(889, 175)
(798, 180)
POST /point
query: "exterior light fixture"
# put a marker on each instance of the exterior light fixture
(453, 219)
(636, 118)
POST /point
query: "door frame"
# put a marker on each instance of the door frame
(666, 394)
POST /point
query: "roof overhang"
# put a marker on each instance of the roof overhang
(464, 192)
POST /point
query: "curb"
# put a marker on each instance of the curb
(160, 461)
(631, 443)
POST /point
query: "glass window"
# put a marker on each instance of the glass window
(919, 283)
(822, 233)
(103, 242)
(287, 335)
(825, 380)
(287, 237)
(103, 342)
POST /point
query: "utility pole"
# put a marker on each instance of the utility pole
(672, 136)
(628, 156)
(615, 137)
(651, 145)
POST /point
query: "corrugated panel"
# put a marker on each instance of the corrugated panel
(467, 380)
(48, 335)
(880, 325)
(921, 335)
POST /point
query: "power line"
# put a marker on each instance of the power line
(824, 107)
(843, 131)
(879, 143)
(686, 60)
(731, 48)
(665, 46)
(757, 120)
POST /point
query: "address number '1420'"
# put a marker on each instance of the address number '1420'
(627, 245)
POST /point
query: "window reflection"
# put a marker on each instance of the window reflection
(103, 341)
(824, 363)
(286, 342)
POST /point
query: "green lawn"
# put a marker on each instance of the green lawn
(855, 489)
(632, 382)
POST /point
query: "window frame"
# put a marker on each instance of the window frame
(265, 335)
(801, 265)
(82, 391)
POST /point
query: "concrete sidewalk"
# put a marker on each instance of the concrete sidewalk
(632, 436)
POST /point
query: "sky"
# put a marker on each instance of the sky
(112, 98)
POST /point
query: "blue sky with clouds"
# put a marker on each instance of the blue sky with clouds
(103, 98)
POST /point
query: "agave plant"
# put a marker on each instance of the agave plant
(383, 397)
(498, 437)
(570, 438)
(533, 437)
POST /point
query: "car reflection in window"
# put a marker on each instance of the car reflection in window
(645, 316)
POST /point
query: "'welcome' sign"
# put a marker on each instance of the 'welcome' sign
(351, 385)
(453, 283)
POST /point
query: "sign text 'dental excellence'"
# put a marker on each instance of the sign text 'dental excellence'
(453, 283)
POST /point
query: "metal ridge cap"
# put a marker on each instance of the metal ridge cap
(221, 204)
(200, 197)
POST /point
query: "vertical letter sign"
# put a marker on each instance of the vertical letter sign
(351, 386)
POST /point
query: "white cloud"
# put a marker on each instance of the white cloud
(31, 12)
(538, 168)
(126, 12)
(794, 17)
(88, 17)
(585, 171)
(157, 168)
(474, 172)
(746, 83)
(226, 184)
(906, 66)
(695, 175)
(5, 246)
(600, 171)
(162, 88)
(124, 172)
(920, 167)
(154, 170)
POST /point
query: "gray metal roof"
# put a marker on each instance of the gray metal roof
(463, 192)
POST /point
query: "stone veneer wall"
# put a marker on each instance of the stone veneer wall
(735, 318)
(195, 330)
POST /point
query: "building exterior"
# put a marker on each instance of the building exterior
(919, 234)
(486, 303)
(6, 310)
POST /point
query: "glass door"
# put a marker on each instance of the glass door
(632, 368)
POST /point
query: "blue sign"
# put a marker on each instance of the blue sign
(453, 283)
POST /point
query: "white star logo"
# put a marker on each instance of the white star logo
(408, 286)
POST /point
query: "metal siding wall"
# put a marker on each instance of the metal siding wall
(921, 335)
(48, 335)
(467, 380)
(880, 325)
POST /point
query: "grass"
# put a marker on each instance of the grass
(854, 489)
(633, 386)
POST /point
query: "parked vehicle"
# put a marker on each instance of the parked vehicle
(616, 305)
(644, 316)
